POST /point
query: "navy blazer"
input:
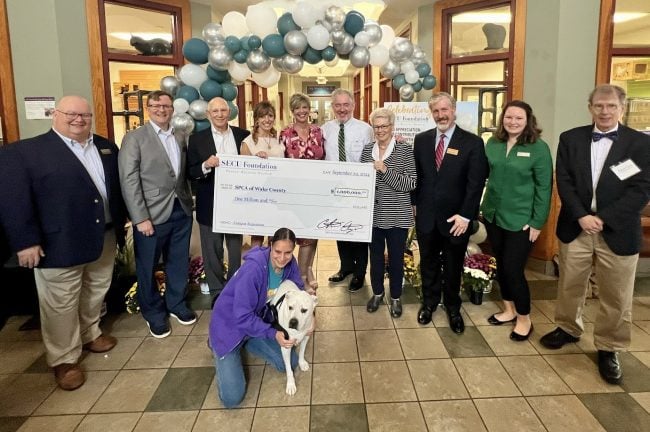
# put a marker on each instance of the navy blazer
(200, 148)
(618, 202)
(49, 199)
(456, 188)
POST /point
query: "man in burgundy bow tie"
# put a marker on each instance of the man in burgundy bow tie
(603, 180)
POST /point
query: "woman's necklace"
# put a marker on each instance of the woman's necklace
(267, 139)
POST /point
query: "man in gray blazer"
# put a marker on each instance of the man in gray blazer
(158, 197)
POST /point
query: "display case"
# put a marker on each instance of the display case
(637, 114)
(490, 102)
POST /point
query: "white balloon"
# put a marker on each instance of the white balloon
(362, 39)
(406, 66)
(304, 14)
(234, 23)
(261, 20)
(239, 72)
(318, 37)
(268, 78)
(387, 35)
(192, 75)
(473, 248)
(332, 63)
(378, 55)
(480, 235)
(181, 106)
(412, 76)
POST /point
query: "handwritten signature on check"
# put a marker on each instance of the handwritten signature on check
(335, 224)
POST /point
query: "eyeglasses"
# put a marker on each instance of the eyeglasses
(160, 106)
(602, 107)
(382, 127)
(70, 116)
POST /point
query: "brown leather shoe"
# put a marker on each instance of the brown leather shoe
(102, 344)
(69, 376)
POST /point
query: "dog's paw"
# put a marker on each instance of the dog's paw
(291, 388)
(304, 366)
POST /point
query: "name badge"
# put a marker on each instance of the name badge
(106, 151)
(523, 154)
(452, 151)
(626, 169)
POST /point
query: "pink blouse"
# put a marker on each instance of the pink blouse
(297, 148)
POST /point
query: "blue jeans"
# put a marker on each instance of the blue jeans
(231, 382)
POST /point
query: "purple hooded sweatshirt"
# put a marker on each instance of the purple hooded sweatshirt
(237, 313)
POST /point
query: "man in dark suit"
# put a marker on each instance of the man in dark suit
(202, 159)
(603, 179)
(159, 200)
(62, 209)
(452, 168)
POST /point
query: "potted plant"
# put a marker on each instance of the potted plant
(478, 272)
(197, 274)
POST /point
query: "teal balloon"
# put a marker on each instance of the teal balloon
(423, 69)
(254, 42)
(233, 44)
(417, 86)
(196, 51)
(200, 125)
(286, 24)
(218, 75)
(329, 53)
(210, 89)
(234, 111)
(244, 42)
(399, 81)
(354, 22)
(241, 56)
(312, 56)
(273, 45)
(188, 93)
(228, 91)
(428, 82)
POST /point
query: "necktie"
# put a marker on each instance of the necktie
(341, 143)
(597, 136)
(440, 151)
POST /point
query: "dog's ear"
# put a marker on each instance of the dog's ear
(314, 299)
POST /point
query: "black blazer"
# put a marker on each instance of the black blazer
(618, 202)
(200, 148)
(456, 188)
(48, 199)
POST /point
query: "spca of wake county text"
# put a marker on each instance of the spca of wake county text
(295, 315)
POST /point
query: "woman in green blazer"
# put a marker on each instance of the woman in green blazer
(515, 207)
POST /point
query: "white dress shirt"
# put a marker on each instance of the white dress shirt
(170, 145)
(599, 151)
(357, 135)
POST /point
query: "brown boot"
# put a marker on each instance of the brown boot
(69, 376)
(102, 344)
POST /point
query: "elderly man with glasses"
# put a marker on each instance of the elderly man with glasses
(62, 210)
(157, 195)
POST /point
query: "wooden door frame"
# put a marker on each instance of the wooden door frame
(7, 89)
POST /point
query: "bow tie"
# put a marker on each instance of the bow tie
(597, 136)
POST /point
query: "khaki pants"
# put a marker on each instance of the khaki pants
(613, 323)
(70, 301)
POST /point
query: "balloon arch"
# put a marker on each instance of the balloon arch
(260, 46)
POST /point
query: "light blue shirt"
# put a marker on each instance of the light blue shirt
(448, 134)
(170, 145)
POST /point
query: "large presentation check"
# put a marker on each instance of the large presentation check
(316, 199)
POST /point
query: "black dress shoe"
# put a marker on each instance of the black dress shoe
(339, 276)
(374, 303)
(456, 322)
(557, 339)
(356, 283)
(493, 320)
(519, 337)
(609, 367)
(425, 313)
(395, 308)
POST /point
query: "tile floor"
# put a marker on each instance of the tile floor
(368, 373)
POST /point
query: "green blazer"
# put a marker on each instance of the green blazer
(519, 186)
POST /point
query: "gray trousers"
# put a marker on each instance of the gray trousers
(213, 256)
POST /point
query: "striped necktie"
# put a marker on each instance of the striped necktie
(440, 150)
(342, 142)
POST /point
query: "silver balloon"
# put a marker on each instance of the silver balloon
(406, 92)
(390, 69)
(359, 57)
(374, 31)
(325, 24)
(278, 64)
(198, 109)
(170, 84)
(219, 58)
(213, 34)
(335, 16)
(418, 56)
(401, 49)
(182, 122)
(258, 61)
(346, 46)
(338, 36)
(292, 64)
(295, 42)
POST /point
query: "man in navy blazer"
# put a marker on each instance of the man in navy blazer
(202, 159)
(603, 179)
(451, 167)
(62, 209)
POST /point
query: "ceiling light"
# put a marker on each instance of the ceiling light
(621, 17)
(482, 17)
(321, 80)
